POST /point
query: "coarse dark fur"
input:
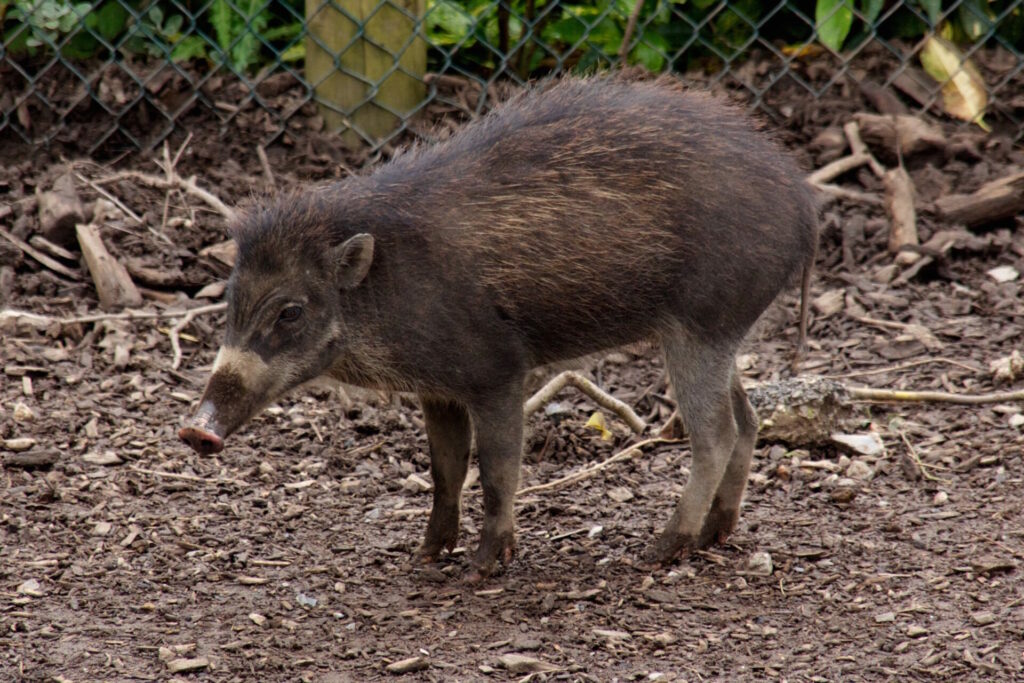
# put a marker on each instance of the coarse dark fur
(575, 218)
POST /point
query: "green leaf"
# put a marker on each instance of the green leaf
(871, 9)
(650, 51)
(933, 8)
(220, 17)
(189, 47)
(447, 23)
(975, 18)
(834, 19)
(109, 20)
(295, 53)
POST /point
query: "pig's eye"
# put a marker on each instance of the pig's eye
(290, 314)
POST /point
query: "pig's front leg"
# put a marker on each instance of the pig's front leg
(498, 422)
(449, 434)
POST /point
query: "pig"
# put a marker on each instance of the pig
(576, 218)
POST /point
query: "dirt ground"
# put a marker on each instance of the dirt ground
(286, 557)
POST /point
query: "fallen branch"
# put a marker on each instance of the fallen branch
(174, 180)
(993, 201)
(836, 192)
(40, 256)
(174, 332)
(189, 477)
(587, 472)
(38, 321)
(921, 467)
(869, 394)
(906, 366)
(857, 146)
(600, 397)
(833, 170)
(109, 197)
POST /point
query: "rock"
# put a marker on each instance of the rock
(802, 411)
(177, 666)
(869, 443)
(20, 444)
(760, 564)
(885, 618)
(941, 498)
(404, 666)
(982, 618)
(102, 528)
(22, 413)
(620, 494)
(858, 469)
(915, 631)
(1003, 274)
(31, 588)
(1005, 370)
(1016, 420)
(257, 618)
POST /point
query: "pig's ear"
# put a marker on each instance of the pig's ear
(352, 259)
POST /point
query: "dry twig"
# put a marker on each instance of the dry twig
(189, 477)
(836, 192)
(917, 460)
(587, 472)
(857, 146)
(600, 397)
(905, 366)
(869, 394)
(173, 333)
(42, 321)
(174, 180)
(833, 170)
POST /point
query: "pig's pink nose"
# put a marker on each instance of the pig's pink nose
(201, 441)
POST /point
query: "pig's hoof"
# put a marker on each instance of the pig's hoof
(489, 554)
(670, 547)
(717, 526)
(430, 551)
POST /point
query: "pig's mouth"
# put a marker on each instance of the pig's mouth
(204, 434)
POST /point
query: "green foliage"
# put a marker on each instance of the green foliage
(540, 35)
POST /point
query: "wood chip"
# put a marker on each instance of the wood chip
(409, 665)
(60, 210)
(102, 458)
(994, 201)
(177, 666)
(32, 459)
(522, 664)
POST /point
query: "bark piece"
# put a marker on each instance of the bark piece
(113, 284)
(60, 210)
(997, 200)
(899, 203)
(907, 134)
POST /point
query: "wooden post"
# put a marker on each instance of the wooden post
(389, 39)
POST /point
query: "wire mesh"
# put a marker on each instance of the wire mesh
(126, 74)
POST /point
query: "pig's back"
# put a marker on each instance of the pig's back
(597, 210)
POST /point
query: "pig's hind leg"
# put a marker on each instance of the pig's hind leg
(725, 508)
(702, 379)
(449, 434)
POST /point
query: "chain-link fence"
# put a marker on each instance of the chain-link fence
(125, 74)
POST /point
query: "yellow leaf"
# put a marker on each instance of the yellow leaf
(803, 51)
(597, 423)
(963, 91)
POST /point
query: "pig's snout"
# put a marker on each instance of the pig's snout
(201, 434)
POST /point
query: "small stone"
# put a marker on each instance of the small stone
(664, 638)
(915, 631)
(858, 469)
(982, 618)
(177, 666)
(20, 444)
(525, 643)
(941, 498)
(104, 458)
(620, 494)
(22, 413)
(1003, 274)
(404, 666)
(102, 528)
(1016, 420)
(305, 600)
(257, 618)
(484, 669)
(657, 676)
(885, 618)
(885, 274)
(843, 494)
(557, 409)
(31, 588)
(869, 444)
(760, 564)
(165, 654)
(595, 531)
